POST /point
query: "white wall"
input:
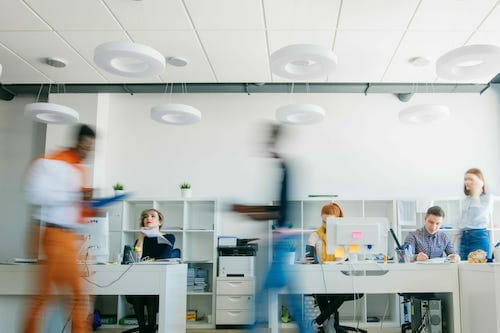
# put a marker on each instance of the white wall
(361, 150)
(20, 140)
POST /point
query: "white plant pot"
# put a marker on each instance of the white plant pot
(186, 192)
(119, 192)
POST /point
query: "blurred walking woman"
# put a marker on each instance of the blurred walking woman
(476, 209)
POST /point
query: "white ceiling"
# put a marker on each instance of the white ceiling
(231, 40)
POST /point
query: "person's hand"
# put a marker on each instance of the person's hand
(454, 257)
(421, 256)
(307, 260)
(476, 188)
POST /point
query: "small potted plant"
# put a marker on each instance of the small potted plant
(118, 187)
(185, 190)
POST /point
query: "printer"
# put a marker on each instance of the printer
(236, 256)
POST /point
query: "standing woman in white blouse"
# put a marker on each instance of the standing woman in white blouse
(476, 211)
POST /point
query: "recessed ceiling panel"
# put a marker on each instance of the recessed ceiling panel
(75, 14)
(450, 15)
(301, 14)
(376, 14)
(226, 14)
(16, 15)
(427, 45)
(363, 56)
(150, 14)
(16, 70)
(237, 56)
(183, 44)
(77, 69)
(491, 23)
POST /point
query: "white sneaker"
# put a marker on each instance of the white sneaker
(329, 325)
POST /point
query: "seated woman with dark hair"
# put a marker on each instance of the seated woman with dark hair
(149, 247)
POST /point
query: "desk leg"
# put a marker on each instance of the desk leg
(273, 311)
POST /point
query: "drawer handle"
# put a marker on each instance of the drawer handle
(235, 298)
(234, 313)
(235, 283)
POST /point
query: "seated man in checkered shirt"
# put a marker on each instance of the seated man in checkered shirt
(429, 242)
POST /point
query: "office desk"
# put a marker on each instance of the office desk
(480, 297)
(17, 282)
(372, 278)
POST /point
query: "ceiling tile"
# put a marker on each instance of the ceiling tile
(75, 14)
(485, 37)
(226, 14)
(492, 21)
(376, 14)
(237, 56)
(450, 15)
(85, 42)
(16, 70)
(182, 44)
(19, 17)
(280, 38)
(77, 70)
(363, 55)
(150, 14)
(430, 45)
(301, 14)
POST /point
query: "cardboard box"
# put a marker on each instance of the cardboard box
(191, 315)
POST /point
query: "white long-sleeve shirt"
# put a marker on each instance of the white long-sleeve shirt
(476, 215)
(55, 186)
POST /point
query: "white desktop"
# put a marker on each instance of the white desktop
(95, 232)
(350, 236)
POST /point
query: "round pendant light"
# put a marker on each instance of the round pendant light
(300, 114)
(129, 59)
(469, 63)
(175, 114)
(51, 113)
(424, 114)
(303, 62)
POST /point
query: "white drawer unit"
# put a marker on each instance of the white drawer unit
(235, 317)
(235, 286)
(240, 302)
(235, 301)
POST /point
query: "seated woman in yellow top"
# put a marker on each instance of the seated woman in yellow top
(327, 303)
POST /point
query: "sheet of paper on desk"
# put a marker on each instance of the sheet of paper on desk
(435, 261)
(153, 233)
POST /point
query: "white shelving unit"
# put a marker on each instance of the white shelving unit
(306, 214)
(453, 210)
(194, 224)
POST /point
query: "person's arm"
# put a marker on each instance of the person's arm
(258, 213)
(449, 249)
(418, 252)
(139, 245)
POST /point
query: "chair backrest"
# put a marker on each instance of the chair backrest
(176, 252)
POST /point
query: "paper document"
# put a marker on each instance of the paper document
(153, 233)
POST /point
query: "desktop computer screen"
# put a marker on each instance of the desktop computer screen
(363, 235)
(95, 246)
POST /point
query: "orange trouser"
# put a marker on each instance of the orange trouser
(60, 270)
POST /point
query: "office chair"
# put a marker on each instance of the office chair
(341, 328)
(173, 253)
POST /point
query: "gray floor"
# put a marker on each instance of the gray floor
(373, 330)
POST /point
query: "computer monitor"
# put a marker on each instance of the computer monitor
(95, 247)
(364, 235)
